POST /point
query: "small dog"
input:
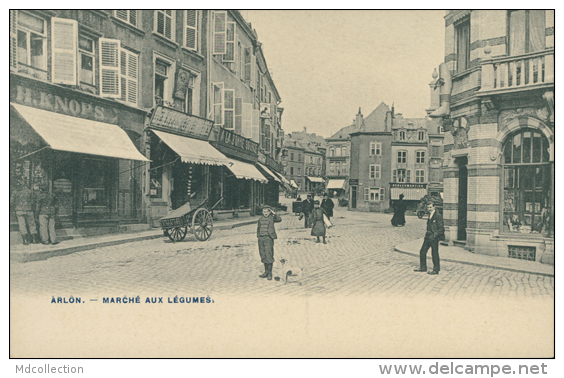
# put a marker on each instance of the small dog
(284, 272)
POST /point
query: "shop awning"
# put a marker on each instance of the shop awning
(315, 179)
(412, 194)
(269, 173)
(293, 184)
(193, 150)
(336, 184)
(246, 171)
(65, 133)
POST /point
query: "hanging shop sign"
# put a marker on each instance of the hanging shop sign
(65, 105)
(407, 185)
(172, 120)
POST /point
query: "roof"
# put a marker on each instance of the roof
(410, 123)
(343, 133)
(376, 121)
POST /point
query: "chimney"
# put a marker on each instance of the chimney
(358, 120)
(305, 129)
(399, 116)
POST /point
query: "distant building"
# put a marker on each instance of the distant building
(293, 161)
(313, 149)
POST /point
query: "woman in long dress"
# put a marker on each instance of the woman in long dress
(399, 212)
(316, 219)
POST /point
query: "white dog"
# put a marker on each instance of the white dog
(286, 273)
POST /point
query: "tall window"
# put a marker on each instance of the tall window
(419, 175)
(463, 45)
(402, 135)
(291, 171)
(86, 49)
(291, 156)
(129, 16)
(526, 31)
(31, 50)
(375, 148)
(374, 172)
(344, 151)
(527, 206)
(164, 23)
(420, 157)
(228, 108)
(421, 135)
(402, 157)
(399, 175)
(162, 82)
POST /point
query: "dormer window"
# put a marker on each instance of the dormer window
(402, 135)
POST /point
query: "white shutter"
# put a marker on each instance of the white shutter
(253, 83)
(247, 121)
(217, 93)
(219, 32)
(64, 55)
(239, 116)
(191, 30)
(256, 125)
(229, 108)
(247, 60)
(13, 39)
(110, 84)
(129, 76)
(229, 55)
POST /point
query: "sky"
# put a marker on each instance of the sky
(327, 64)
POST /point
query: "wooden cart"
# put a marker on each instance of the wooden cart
(175, 224)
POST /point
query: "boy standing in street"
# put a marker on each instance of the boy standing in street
(266, 234)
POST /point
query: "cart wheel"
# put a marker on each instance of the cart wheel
(177, 234)
(202, 224)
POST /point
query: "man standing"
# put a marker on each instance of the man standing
(266, 234)
(47, 208)
(307, 208)
(23, 199)
(327, 205)
(435, 232)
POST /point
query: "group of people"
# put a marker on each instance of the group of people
(31, 207)
(317, 215)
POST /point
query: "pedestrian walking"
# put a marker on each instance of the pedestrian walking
(47, 208)
(435, 232)
(318, 219)
(327, 205)
(307, 208)
(23, 200)
(399, 212)
(266, 233)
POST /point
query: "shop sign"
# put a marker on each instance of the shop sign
(186, 124)
(353, 181)
(229, 138)
(59, 104)
(407, 185)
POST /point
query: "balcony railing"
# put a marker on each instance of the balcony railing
(32, 71)
(518, 71)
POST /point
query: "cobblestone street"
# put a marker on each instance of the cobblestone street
(358, 260)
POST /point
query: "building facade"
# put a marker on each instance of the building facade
(497, 105)
(114, 111)
(293, 160)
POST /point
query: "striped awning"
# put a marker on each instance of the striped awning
(193, 151)
(269, 173)
(315, 179)
(336, 184)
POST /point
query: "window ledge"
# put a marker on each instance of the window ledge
(192, 53)
(467, 71)
(165, 40)
(126, 25)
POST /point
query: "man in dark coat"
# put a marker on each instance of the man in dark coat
(435, 232)
(327, 205)
(266, 233)
(47, 208)
(307, 208)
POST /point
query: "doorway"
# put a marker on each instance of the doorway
(353, 197)
(462, 163)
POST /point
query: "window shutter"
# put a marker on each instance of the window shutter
(253, 82)
(229, 55)
(382, 194)
(129, 76)
(256, 125)
(394, 178)
(247, 76)
(110, 83)
(408, 175)
(191, 30)
(229, 106)
(13, 39)
(64, 54)
(219, 32)
(366, 194)
(218, 103)
(239, 116)
(248, 121)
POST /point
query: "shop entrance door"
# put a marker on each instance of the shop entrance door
(462, 196)
(353, 197)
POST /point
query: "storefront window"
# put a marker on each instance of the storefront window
(527, 184)
(94, 191)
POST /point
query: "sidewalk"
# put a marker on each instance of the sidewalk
(34, 252)
(460, 255)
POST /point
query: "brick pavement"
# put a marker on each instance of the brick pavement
(359, 260)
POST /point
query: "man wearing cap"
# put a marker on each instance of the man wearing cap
(327, 205)
(266, 233)
(23, 199)
(307, 208)
(435, 232)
